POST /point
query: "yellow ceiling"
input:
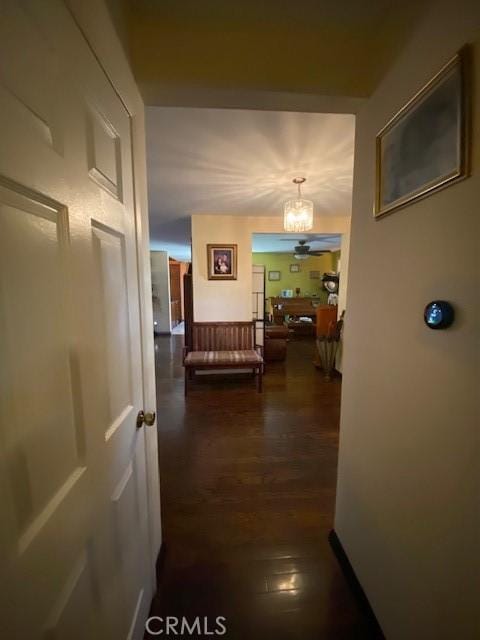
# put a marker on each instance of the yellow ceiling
(319, 47)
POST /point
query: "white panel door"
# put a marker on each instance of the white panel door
(73, 495)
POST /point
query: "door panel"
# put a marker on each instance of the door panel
(104, 153)
(109, 249)
(73, 494)
(43, 420)
(126, 509)
(75, 612)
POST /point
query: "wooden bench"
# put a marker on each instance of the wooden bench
(223, 345)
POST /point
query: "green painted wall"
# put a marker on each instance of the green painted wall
(282, 261)
(335, 258)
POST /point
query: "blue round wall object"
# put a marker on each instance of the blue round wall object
(438, 314)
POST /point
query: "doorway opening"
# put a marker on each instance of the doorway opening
(168, 297)
(301, 290)
(248, 479)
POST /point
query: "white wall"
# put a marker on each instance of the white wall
(408, 479)
(232, 299)
(162, 321)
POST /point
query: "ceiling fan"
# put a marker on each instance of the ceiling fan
(302, 251)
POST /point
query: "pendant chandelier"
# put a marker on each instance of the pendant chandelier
(298, 213)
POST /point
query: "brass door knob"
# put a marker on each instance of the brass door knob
(150, 418)
(145, 418)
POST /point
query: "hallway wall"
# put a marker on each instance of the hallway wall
(408, 483)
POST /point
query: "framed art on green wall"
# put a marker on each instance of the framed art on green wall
(274, 275)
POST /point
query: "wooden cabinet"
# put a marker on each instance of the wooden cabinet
(175, 310)
(326, 315)
(175, 293)
(188, 308)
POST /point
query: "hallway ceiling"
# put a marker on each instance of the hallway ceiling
(237, 162)
(308, 47)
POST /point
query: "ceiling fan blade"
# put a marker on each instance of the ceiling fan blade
(319, 252)
(310, 237)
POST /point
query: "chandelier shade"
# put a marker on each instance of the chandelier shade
(298, 212)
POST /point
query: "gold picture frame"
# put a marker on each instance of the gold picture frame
(222, 261)
(425, 146)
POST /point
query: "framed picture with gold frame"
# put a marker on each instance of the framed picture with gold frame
(222, 261)
(424, 147)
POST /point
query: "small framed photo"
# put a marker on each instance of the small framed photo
(314, 275)
(424, 147)
(294, 268)
(274, 275)
(222, 261)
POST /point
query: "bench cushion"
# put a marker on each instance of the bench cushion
(198, 358)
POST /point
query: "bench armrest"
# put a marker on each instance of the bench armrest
(259, 349)
(184, 355)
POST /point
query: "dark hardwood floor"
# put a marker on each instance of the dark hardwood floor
(248, 491)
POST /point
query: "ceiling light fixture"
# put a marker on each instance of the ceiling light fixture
(298, 213)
